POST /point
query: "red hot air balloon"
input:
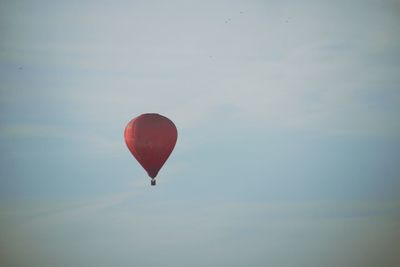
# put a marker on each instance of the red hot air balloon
(151, 139)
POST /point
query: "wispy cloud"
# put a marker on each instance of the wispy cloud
(258, 230)
(272, 63)
(95, 140)
(256, 89)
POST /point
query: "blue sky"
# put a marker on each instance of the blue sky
(287, 113)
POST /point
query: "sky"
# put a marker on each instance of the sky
(288, 120)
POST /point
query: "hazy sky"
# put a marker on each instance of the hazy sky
(289, 134)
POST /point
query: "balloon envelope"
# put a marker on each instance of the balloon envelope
(151, 139)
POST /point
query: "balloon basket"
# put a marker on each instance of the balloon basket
(153, 182)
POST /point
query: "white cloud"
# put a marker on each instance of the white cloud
(95, 140)
(231, 234)
(278, 65)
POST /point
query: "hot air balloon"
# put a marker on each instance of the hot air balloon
(151, 138)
